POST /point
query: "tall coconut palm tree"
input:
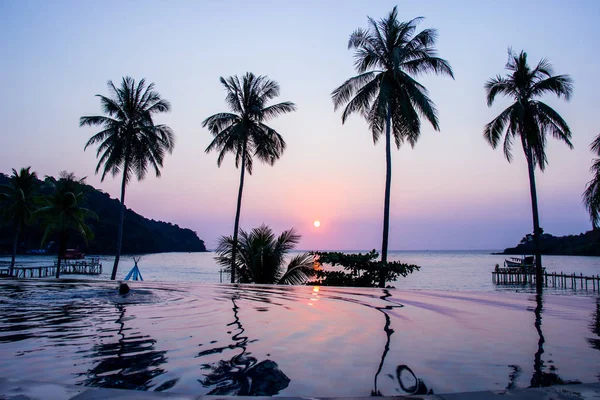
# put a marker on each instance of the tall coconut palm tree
(62, 211)
(130, 142)
(17, 200)
(591, 196)
(388, 56)
(262, 257)
(528, 120)
(244, 132)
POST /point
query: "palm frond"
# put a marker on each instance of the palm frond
(591, 195)
(495, 129)
(277, 109)
(499, 85)
(595, 146)
(560, 85)
(299, 271)
(342, 94)
(550, 120)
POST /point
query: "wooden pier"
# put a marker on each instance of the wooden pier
(508, 276)
(92, 266)
(67, 267)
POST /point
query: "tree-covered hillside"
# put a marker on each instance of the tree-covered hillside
(140, 235)
(584, 244)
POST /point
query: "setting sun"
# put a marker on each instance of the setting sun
(317, 224)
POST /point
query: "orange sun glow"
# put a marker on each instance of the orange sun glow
(317, 224)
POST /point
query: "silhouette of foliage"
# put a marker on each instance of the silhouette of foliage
(591, 195)
(62, 212)
(360, 270)
(262, 257)
(17, 204)
(141, 235)
(584, 244)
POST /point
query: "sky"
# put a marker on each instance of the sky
(452, 191)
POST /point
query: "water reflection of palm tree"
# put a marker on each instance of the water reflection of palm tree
(541, 378)
(595, 328)
(243, 375)
(418, 387)
(130, 363)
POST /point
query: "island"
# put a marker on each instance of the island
(584, 244)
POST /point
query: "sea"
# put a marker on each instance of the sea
(451, 270)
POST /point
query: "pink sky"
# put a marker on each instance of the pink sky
(451, 192)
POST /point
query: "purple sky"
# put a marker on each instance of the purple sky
(452, 191)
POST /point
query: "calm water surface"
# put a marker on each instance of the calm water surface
(298, 341)
(180, 331)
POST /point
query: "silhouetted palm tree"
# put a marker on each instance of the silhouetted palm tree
(262, 256)
(61, 211)
(244, 132)
(17, 201)
(130, 143)
(388, 55)
(591, 196)
(528, 120)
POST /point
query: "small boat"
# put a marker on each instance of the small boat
(73, 254)
(524, 262)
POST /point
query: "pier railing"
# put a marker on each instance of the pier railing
(507, 276)
(92, 266)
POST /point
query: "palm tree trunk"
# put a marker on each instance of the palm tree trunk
(62, 245)
(14, 249)
(113, 275)
(236, 225)
(536, 221)
(388, 184)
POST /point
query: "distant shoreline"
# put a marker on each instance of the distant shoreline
(585, 244)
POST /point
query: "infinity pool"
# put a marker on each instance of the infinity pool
(295, 341)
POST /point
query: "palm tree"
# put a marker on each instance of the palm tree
(591, 196)
(244, 132)
(388, 56)
(528, 120)
(62, 213)
(130, 142)
(18, 204)
(262, 256)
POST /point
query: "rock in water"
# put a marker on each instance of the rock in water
(267, 379)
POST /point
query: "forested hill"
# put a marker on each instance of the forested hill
(584, 244)
(140, 235)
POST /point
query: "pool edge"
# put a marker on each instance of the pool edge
(22, 389)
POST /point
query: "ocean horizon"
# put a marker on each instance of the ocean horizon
(447, 270)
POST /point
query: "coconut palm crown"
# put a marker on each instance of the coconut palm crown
(130, 142)
(388, 56)
(244, 133)
(591, 196)
(261, 257)
(17, 201)
(528, 120)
